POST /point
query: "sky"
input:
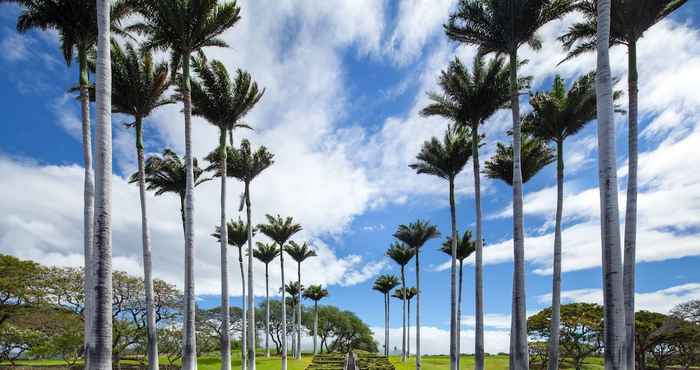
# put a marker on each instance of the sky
(345, 81)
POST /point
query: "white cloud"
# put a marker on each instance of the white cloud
(436, 341)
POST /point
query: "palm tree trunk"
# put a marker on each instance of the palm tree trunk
(519, 338)
(189, 341)
(631, 209)
(403, 312)
(294, 330)
(453, 280)
(299, 312)
(102, 321)
(223, 239)
(251, 294)
(459, 316)
(613, 293)
(386, 324)
(408, 329)
(478, 257)
(267, 311)
(418, 364)
(553, 357)
(244, 316)
(88, 204)
(147, 263)
(284, 312)
(315, 324)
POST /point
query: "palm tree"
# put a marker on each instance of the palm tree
(138, 88)
(446, 160)
(315, 293)
(503, 26)
(556, 115)
(237, 236)
(465, 247)
(468, 99)
(299, 253)
(535, 155)
(416, 234)
(628, 22)
(402, 255)
(223, 103)
(280, 230)
(266, 253)
(409, 294)
(184, 27)
(294, 289)
(384, 284)
(76, 23)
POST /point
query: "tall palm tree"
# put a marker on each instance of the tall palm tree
(280, 230)
(535, 155)
(556, 115)
(237, 236)
(402, 254)
(416, 234)
(446, 160)
(76, 23)
(299, 253)
(503, 26)
(629, 20)
(138, 88)
(384, 284)
(465, 247)
(315, 293)
(266, 253)
(294, 289)
(223, 103)
(184, 27)
(469, 99)
(409, 293)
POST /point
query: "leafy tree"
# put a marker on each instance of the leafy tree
(19, 285)
(402, 254)
(689, 311)
(266, 253)
(342, 331)
(649, 326)
(15, 342)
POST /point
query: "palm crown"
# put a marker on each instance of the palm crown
(219, 99)
(465, 246)
(408, 292)
(400, 253)
(416, 233)
(166, 174)
(385, 283)
(279, 229)
(237, 233)
(315, 293)
(242, 163)
(444, 159)
(299, 252)
(266, 252)
(293, 288)
(535, 156)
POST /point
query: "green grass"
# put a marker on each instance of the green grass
(467, 362)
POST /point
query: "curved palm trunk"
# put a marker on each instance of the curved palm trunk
(88, 204)
(403, 302)
(267, 311)
(102, 321)
(298, 355)
(519, 337)
(614, 313)
(315, 324)
(553, 357)
(631, 209)
(478, 257)
(244, 317)
(284, 313)
(454, 337)
(251, 295)
(189, 341)
(223, 239)
(418, 364)
(152, 344)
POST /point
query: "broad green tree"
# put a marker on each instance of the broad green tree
(446, 159)
(139, 85)
(266, 253)
(629, 20)
(280, 229)
(315, 293)
(402, 254)
(184, 27)
(502, 27)
(299, 253)
(416, 234)
(384, 284)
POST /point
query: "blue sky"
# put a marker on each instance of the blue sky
(345, 82)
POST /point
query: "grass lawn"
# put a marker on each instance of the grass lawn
(467, 362)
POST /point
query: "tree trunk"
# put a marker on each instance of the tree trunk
(299, 312)
(152, 344)
(459, 316)
(267, 311)
(102, 321)
(294, 332)
(478, 257)
(553, 357)
(408, 329)
(315, 324)
(189, 341)
(403, 302)
(631, 209)
(519, 338)
(223, 239)
(613, 293)
(418, 364)
(251, 293)
(386, 324)
(453, 281)
(244, 314)
(88, 205)
(284, 312)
